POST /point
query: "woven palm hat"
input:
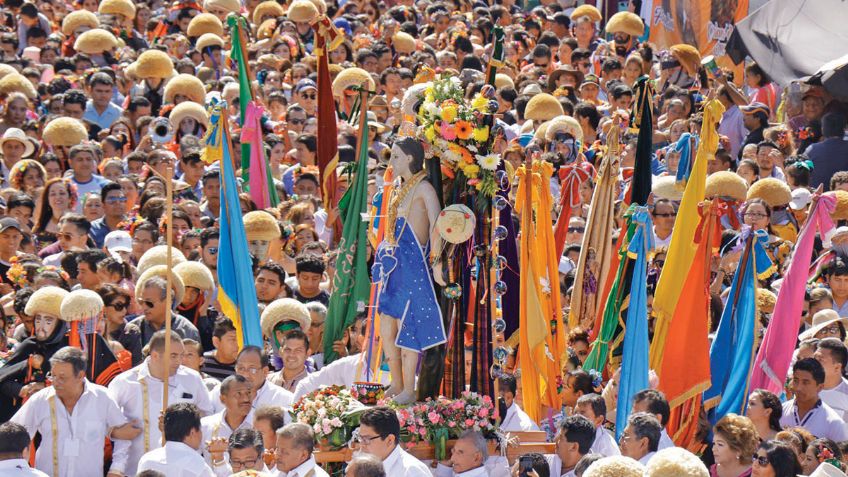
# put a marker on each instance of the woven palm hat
(158, 255)
(269, 8)
(626, 22)
(351, 77)
(566, 124)
(303, 11)
(765, 299)
(207, 40)
(675, 462)
(615, 466)
(503, 80)
(260, 225)
(688, 56)
(205, 23)
(64, 132)
(6, 70)
(841, 210)
(46, 301)
(586, 11)
(284, 309)
(195, 274)
(95, 42)
(403, 42)
(185, 85)
(81, 305)
(161, 271)
(188, 109)
(773, 191)
(456, 223)
(727, 185)
(78, 19)
(543, 107)
(320, 5)
(117, 7)
(154, 64)
(231, 6)
(665, 188)
(17, 83)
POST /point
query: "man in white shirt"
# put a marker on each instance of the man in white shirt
(641, 437)
(295, 443)
(807, 409)
(663, 216)
(14, 452)
(244, 454)
(379, 435)
(594, 408)
(514, 419)
(83, 415)
(181, 456)
(574, 439)
(832, 354)
(138, 392)
(654, 402)
(237, 397)
(254, 364)
(470, 458)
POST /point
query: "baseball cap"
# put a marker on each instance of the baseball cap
(118, 241)
(7, 223)
(303, 84)
(591, 79)
(755, 108)
(801, 198)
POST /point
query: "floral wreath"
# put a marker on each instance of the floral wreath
(826, 455)
(16, 175)
(17, 274)
(51, 268)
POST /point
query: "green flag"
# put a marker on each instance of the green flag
(351, 283)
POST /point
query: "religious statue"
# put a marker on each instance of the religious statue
(411, 318)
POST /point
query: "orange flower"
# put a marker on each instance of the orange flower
(466, 155)
(464, 130)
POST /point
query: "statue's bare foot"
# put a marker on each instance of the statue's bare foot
(392, 391)
(406, 397)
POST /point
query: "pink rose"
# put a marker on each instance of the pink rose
(422, 432)
(483, 412)
(451, 424)
(469, 422)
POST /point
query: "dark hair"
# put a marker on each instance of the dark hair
(29, 10)
(837, 349)
(157, 341)
(230, 381)
(770, 400)
(782, 458)
(246, 438)
(222, 327)
(811, 366)
(589, 111)
(584, 463)
(275, 415)
(101, 79)
(539, 464)
(823, 443)
(276, 268)
(310, 264)
(833, 124)
(755, 69)
(264, 359)
(308, 140)
(582, 381)
(109, 187)
(508, 382)
(578, 429)
(210, 175)
(657, 403)
(180, 419)
(78, 221)
(14, 438)
(21, 298)
(383, 420)
(646, 425)
(208, 234)
(297, 334)
(70, 355)
(90, 258)
(596, 402)
(20, 200)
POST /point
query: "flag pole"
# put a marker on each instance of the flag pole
(169, 298)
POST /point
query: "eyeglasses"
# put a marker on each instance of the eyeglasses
(212, 250)
(241, 369)
(238, 464)
(365, 439)
(146, 303)
(832, 329)
(670, 214)
(755, 215)
(115, 200)
(761, 460)
(120, 306)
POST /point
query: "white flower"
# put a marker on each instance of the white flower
(451, 156)
(489, 162)
(455, 82)
(432, 109)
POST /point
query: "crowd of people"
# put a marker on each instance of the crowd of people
(104, 110)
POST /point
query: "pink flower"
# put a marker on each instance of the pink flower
(422, 432)
(451, 424)
(469, 422)
(447, 130)
(483, 412)
(433, 417)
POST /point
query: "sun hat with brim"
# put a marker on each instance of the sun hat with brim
(95, 42)
(543, 107)
(374, 123)
(665, 187)
(15, 134)
(628, 23)
(755, 108)
(281, 311)
(79, 19)
(564, 71)
(826, 469)
(821, 320)
(688, 56)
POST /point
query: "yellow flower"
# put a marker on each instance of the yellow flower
(430, 133)
(449, 113)
(471, 170)
(480, 103)
(481, 134)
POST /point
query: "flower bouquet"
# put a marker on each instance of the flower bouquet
(457, 132)
(333, 412)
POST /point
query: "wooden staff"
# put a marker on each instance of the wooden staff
(169, 215)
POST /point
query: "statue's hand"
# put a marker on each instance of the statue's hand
(437, 274)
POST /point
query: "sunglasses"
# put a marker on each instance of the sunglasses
(762, 460)
(310, 96)
(115, 200)
(146, 303)
(120, 306)
(665, 215)
(576, 230)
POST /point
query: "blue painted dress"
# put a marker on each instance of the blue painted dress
(407, 291)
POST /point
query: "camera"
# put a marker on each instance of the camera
(160, 130)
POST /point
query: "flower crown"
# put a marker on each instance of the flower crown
(51, 268)
(597, 379)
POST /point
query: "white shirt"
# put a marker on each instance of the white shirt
(216, 426)
(665, 441)
(647, 458)
(494, 466)
(837, 398)
(660, 242)
(268, 395)
(18, 468)
(820, 421)
(80, 434)
(303, 469)
(445, 471)
(555, 465)
(185, 385)
(343, 371)
(605, 443)
(175, 460)
(401, 463)
(517, 420)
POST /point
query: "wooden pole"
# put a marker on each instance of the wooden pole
(169, 294)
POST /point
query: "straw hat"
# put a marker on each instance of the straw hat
(563, 124)
(185, 85)
(95, 42)
(822, 319)
(46, 301)
(773, 191)
(154, 64)
(269, 8)
(403, 42)
(503, 81)
(207, 40)
(64, 131)
(260, 225)
(350, 77)
(303, 11)
(125, 8)
(195, 274)
(230, 6)
(205, 23)
(161, 271)
(78, 19)
(284, 309)
(158, 255)
(727, 185)
(540, 132)
(586, 11)
(188, 109)
(543, 107)
(81, 305)
(562, 71)
(6, 70)
(841, 210)
(765, 299)
(320, 5)
(615, 466)
(676, 462)
(456, 223)
(15, 134)
(688, 56)
(17, 83)
(626, 22)
(665, 188)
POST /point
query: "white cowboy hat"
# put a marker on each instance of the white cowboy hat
(827, 470)
(15, 134)
(822, 319)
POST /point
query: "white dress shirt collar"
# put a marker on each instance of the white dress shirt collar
(394, 458)
(475, 472)
(302, 469)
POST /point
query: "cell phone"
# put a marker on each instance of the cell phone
(525, 465)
